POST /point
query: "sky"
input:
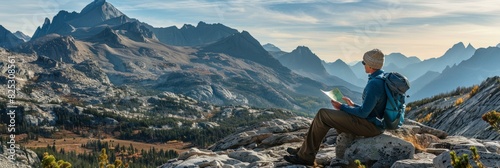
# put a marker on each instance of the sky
(332, 29)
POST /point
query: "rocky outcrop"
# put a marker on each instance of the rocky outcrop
(462, 119)
(405, 147)
(380, 151)
(18, 158)
(267, 134)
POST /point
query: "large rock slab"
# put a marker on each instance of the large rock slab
(201, 158)
(267, 134)
(380, 151)
(421, 160)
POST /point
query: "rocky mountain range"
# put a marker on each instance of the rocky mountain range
(22, 36)
(7, 39)
(189, 35)
(198, 37)
(273, 50)
(340, 69)
(100, 61)
(456, 54)
(222, 66)
(91, 20)
(469, 72)
(303, 62)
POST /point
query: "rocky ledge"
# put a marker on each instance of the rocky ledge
(263, 145)
(17, 157)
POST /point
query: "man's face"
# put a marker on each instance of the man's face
(367, 68)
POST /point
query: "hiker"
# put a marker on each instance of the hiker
(350, 119)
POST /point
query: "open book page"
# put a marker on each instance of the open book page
(334, 94)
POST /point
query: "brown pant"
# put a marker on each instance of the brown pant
(341, 121)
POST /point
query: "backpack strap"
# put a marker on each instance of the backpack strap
(390, 97)
(380, 115)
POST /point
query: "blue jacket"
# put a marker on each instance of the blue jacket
(374, 100)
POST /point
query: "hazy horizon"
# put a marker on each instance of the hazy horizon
(337, 29)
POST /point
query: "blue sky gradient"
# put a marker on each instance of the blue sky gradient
(333, 29)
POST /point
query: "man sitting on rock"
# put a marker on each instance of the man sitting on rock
(350, 120)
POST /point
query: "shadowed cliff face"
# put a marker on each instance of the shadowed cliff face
(189, 35)
(464, 118)
(7, 39)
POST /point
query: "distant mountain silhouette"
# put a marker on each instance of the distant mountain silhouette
(454, 55)
(189, 35)
(271, 47)
(359, 70)
(394, 62)
(422, 81)
(483, 64)
(98, 12)
(7, 39)
(400, 60)
(302, 61)
(273, 50)
(22, 36)
(243, 45)
(340, 69)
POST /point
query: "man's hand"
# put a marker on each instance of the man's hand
(348, 101)
(336, 104)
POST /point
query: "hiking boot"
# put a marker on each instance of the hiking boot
(294, 159)
(344, 141)
(292, 151)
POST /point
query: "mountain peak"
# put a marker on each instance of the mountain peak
(93, 5)
(7, 39)
(187, 26)
(470, 46)
(201, 23)
(271, 47)
(245, 33)
(459, 45)
(189, 35)
(245, 46)
(46, 22)
(396, 54)
(339, 61)
(22, 36)
(302, 59)
(96, 12)
(303, 50)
